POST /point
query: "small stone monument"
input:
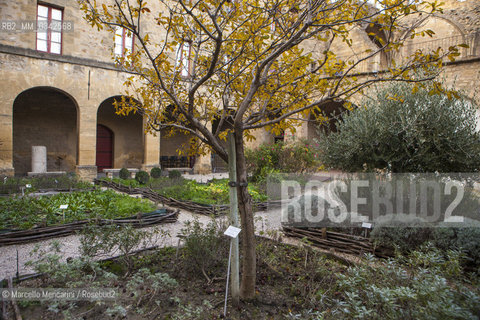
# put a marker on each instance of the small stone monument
(39, 163)
(39, 159)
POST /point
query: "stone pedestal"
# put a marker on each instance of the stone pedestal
(39, 163)
(39, 159)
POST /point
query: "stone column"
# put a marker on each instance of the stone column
(86, 168)
(39, 159)
(151, 150)
(6, 135)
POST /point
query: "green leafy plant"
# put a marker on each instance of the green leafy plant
(215, 192)
(269, 159)
(27, 212)
(156, 173)
(114, 239)
(402, 131)
(413, 287)
(142, 177)
(407, 238)
(205, 249)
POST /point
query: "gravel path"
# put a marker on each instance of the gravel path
(264, 221)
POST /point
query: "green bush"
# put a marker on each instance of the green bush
(466, 239)
(124, 174)
(405, 132)
(407, 238)
(296, 157)
(423, 285)
(206, 248)
(142, 177)
(156, 173)
(174, 174)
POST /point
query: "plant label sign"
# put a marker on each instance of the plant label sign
(232, 232)
(64, 206)
(366, 225)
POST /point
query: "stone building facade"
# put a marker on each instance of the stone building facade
(459, 23)
(58, 92)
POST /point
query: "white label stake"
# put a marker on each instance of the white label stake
(63, 207)
(231, 232)
(366, 226)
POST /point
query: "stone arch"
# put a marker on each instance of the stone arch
(424, 22)
(128, 145)
(45, 116)
(382, 59)
(332, 110)
(447, 33)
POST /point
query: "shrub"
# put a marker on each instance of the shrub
(403, 131)
(97, 241)
(206, 248)
(124, 174)
(466, 239)
(156, 173)
(174, 174)
(407, 238)
(391, 290)
(142, 177)
(299, 156)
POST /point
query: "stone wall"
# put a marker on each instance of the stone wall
(86, 85)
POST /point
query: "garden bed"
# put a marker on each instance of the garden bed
(340, 242)
(192, 206)
(21, 213)
(9, 186)
(160, 216)
(292, 283)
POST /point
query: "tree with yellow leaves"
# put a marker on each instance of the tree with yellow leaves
(254, 64)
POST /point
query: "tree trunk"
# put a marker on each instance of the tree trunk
(247, 284)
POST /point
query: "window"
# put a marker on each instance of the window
(49, 29)
(123, 42)
(183, 59)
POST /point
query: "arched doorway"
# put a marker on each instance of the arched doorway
(45, 116)
(105, 143)
(332, 112)
(127, 149)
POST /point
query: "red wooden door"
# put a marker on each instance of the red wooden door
(104, 148)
